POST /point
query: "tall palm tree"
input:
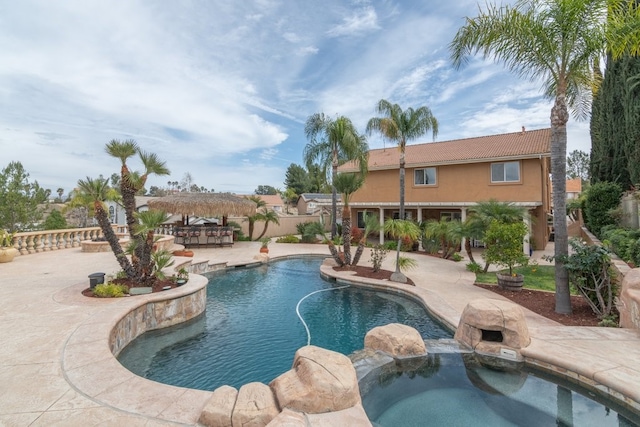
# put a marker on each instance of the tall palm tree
(556, 41)
(347, 184)
(93, 193)
(401, 126)
(333, 142)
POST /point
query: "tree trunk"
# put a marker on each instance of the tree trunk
(334, 198)
(467, 247)
(335, 254)
(110, 235)
(251, 226)
(559, 118)
(264, 231)
(346, 234)
(359, 251)
(402, 163)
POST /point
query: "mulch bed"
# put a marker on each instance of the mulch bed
(540, 302)
(158, 286)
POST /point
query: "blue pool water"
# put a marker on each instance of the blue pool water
(458, 390)
(251, 331)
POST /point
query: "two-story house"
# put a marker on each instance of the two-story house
(445, 179)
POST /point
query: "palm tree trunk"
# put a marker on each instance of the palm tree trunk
(559, 118)
(334, 197)
(264, 230)
(398, 256)
(359, 251)
(335, 254)
(346, 234)
(251, 226)
(402, 174)
(467, 247)
(110, 235)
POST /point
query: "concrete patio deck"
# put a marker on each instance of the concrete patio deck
(41, 312)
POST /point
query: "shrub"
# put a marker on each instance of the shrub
(391, 245)
(506, 249)
(431, 246)
(589, 269)
(378, 254)
(407, 244)
(456, 257)
(55, 221)
(474, 267)
(602, 197)
(110, 290)
(356, 235)
(288, 239)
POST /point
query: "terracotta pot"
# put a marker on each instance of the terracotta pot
(7, 254)
(509, 282)
(264, 250)
(183, 253)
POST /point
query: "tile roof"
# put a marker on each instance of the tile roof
(318, 197)
(530, 143)
(574, 185)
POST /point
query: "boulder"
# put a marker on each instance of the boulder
(255, 406)
(320, 381)
(502, 323)
(219, 409)
(396, 340)
(289, 418)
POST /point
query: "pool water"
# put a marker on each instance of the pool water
(458, 390)
(251, 331)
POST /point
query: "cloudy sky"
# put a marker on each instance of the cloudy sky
(221, 89)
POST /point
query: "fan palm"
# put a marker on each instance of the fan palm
(257, 216)
(448, 233)
(400, 229)
(401, 126)
(347, 184)
(93, 193)
(333, 142)
(555, 41)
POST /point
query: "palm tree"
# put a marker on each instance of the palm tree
(400, 229)
(483, 213)
(93, 193)
(332, 143)
(371, 224)
(556, 41)
(257, 216)
(448, 233)
(267, 216)
(401, 126)
(347, 184)
(147, 223)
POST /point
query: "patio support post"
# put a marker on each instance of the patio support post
(381, 216)
(463, 218)
(525, 244)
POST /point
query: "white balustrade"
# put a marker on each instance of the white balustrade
(31, 242)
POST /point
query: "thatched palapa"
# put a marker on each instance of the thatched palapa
(204, 204)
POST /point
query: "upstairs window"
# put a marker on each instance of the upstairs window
(426, 176)
(505, 172)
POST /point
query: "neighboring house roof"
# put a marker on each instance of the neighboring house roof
(524, 144)
(272, 200)
(574, 185)
(318, 197)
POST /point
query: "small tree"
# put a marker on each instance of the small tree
(20, 199)
(506, 249)
(55, 221)
(401, 228)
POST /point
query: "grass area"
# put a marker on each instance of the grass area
(540, 277)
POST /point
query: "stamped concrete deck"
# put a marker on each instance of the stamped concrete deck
(44, 324)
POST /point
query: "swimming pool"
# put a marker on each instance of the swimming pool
(460, 390)
(251, 331)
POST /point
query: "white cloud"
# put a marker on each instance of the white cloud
(362, 21)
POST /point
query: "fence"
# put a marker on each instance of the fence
(31, 242)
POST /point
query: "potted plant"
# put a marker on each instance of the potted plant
(264, 248)
(182, 277)
(506, 250)
(7, 251)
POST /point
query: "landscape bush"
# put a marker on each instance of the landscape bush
(601, 199)
(288, 239)
(110, 290)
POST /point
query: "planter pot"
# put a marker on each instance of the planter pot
(8, 254)
(510, 283)
(183, 253)
(264, 250)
